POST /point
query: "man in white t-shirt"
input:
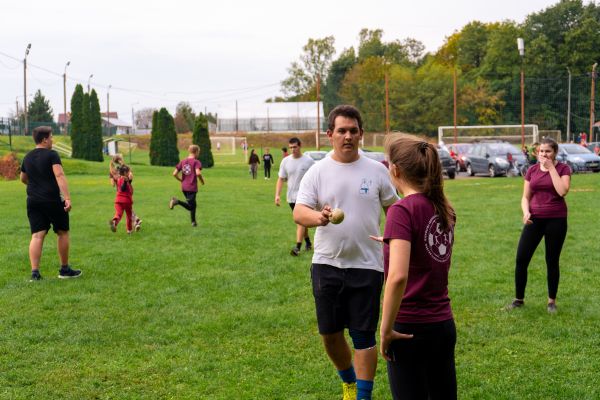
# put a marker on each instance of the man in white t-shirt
(347, 266)
(292, 169)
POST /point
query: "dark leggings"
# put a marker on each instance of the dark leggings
(267, 171)
(190, 197)
(423, 367)
(554, 230)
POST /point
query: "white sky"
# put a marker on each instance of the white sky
(210, 53)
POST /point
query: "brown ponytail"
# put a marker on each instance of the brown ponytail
(419, 165)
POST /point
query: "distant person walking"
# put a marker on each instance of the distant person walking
(253, 161)
(268, 161)
(284, 152)
(544, 216)
(48, 202)
(190, 169)
(291, 170)
(418, 334)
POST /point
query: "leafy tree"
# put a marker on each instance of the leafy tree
(201, 138)
(315, 61)
(94, 131)
(163, 143)
(39, 109)
(337, 72)
(370, 44)
(184, 117)
(143, 118)
(77, 125)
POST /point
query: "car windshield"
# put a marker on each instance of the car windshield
(574, 149)
(504, 149)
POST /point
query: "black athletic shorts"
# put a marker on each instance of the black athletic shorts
(42, 214)
(346, 298)
(292, 205)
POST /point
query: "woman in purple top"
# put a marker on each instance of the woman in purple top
(545, 216)
(417, 330)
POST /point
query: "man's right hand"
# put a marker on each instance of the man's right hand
(277, 201)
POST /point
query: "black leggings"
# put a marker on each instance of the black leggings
(423, 367)
(554, 230)
(190, 197)
(267, 171)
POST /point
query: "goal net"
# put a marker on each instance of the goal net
(473, 133)
(556, 135)
(225, 145)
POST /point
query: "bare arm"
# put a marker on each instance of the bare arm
(24, 178)
(394, 291)
(561, 184)
(306, 216)
(525, 203)
(278, 188)
(176, 175)
(199, 175)
(61, 179)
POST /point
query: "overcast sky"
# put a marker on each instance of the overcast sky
(209, 53)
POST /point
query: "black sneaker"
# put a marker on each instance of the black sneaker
(308, 247)
(35, 275)
(295, 252)
(515, 304)
(68, 273)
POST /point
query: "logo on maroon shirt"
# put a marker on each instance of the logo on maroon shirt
(437, 242)
(187, 169)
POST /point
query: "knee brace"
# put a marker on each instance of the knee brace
(362, 339)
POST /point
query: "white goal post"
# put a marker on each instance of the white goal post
(471, 133)
(225, 145)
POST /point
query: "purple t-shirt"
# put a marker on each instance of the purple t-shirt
(425, 300)
(189, 180)
(545, 201)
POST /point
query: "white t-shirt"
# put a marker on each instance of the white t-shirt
(293, 169)
(360, 189)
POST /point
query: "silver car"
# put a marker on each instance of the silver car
(578, 157)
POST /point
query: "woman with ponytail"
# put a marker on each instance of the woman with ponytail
(417, 329)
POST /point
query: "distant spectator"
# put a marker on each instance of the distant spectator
(268, 161)
(253, 161)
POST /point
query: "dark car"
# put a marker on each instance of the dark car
(494, 158)
(458, 152)
(578, 157)
(448, 164)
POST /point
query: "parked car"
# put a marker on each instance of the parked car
(494, 158)
(316, 155)
(448, 164)
(458, 153)
(594, 147)
(579, 158)
(375, 155)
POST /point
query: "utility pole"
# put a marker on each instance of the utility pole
(318, 139)
(387, 102)
(18, 118)
(108, 110)
(521, 47)
(25, 87)
(65, 97)
(569, 108)
(592, 101)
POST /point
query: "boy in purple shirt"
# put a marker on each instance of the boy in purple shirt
(191, 172)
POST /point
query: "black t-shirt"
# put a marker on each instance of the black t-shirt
(42, 185)
(267, 160)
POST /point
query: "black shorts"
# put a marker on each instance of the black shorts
(292, 205)
(42, 214)
(346, 298)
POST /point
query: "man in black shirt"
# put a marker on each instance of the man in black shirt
(43, 174)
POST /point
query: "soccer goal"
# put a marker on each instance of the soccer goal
(225, 145)
(473, 133)
(553, 134)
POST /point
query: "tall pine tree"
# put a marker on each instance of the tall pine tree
(201, 138)
(85, 123)
(76, 126)
(94, 143)
(163, 143)
(154, 140)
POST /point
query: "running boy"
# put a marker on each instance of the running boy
(191, 172)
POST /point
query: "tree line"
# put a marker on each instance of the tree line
(559, 40)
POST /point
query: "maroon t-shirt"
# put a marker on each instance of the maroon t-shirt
(545, 201)
(425, 300)
(189, 180)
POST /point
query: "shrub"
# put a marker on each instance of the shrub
(10, 166)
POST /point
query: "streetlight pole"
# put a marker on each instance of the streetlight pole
(108, 110)
(25, 86)
(65, 96)
(569, 108)
(89, 79)
(132, 127)
(521, 47)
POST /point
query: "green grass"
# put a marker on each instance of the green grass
(223, 312)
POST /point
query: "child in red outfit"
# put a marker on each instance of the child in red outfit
(123, 200)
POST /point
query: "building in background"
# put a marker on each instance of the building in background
(269, 117)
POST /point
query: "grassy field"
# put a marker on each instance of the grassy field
(223, 312)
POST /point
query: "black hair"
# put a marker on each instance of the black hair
(344, 111)
(40, 133)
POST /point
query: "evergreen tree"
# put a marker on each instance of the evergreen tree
(154, 140)
(201, 138)
(85, 126)
(163, 143)
(40, 110)
(94, 150)
(76, 126)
